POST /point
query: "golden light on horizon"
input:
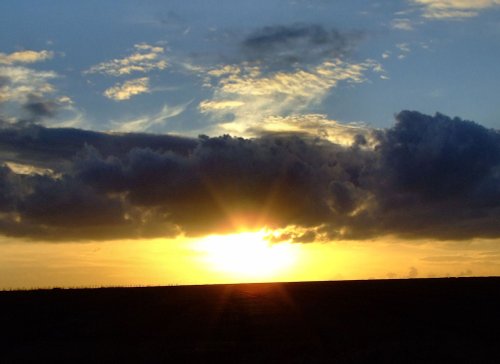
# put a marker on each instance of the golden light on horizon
(248, 255)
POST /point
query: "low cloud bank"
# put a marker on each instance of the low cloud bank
(425, 177)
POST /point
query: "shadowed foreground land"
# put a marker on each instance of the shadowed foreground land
(401, 321)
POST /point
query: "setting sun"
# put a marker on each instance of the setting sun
(248, 255)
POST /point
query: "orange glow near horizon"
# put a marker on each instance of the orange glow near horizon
(234, 258)
(248, 255)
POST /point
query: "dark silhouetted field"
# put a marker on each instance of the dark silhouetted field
(401, 321)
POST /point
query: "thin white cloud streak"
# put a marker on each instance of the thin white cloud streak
(146, 58)
(27, 56)
(147, 122)
(211, 105)
(402, 24)
(454, 9)
(128, 89)
(28, 169)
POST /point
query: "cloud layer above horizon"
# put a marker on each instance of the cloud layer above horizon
(426, 177)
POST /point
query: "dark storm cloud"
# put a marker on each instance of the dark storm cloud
(429, 177)
(285, 46)
(442, 178)
(262, 181)
(439, 158)
(8, 190)
(51, 147)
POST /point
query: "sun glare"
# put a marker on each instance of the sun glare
(248, 255)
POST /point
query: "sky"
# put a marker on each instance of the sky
(193, 142)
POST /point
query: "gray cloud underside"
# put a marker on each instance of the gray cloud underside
(429, 177)
(283, 46)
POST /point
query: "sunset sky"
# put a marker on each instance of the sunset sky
(210, 141)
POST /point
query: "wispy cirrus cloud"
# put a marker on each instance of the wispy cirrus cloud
(211, 105)
(145, 58)
(403, 24)
(148, 122)
(128, 89)
(454, 9)
(26, 56)
(404, 50)
(18, 83)
(247, 96)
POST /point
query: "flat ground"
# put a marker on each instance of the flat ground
(400, 321)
